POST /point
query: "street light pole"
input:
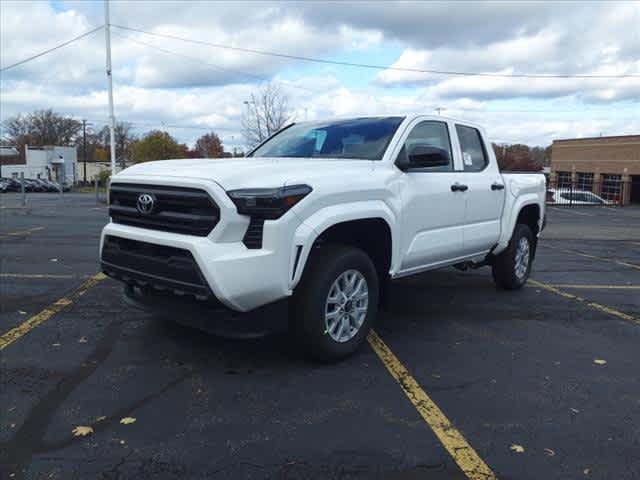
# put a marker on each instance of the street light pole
(107, 39)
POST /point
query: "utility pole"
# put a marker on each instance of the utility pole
(84, 148)
(107, 39)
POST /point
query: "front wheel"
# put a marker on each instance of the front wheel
(512, 267)
(335, 303)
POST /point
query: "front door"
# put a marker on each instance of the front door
(433, 212)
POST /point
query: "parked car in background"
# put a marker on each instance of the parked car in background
(34, 185)
(574, 197)
(48, 185)
(4, 186)
(12, 184)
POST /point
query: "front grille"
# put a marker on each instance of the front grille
(175, 209)
(150, 265)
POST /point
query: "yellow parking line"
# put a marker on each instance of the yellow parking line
(22, 232)
(463, 454)
(24, 328)
(597, 306)
(38, 275)
(598, 287)
(595, 257)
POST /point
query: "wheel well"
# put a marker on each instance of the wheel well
(372, 235)
(529, 215)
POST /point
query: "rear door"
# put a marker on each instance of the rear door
(432, 213)
(485, 193)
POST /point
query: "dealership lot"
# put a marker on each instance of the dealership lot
(552, 369)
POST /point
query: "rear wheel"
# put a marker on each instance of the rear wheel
(512, 267)
(335, 303)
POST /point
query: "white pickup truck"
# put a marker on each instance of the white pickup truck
(326, 213)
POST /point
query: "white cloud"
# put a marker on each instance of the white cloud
(152, 88)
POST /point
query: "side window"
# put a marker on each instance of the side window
(474, 157)
(433, 134)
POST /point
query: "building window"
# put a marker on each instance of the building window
(585, 182)
(14, 175)
(612, 188)
(563, 179)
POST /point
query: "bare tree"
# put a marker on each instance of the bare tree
(267, 112)
(124, 137)
(40, 128)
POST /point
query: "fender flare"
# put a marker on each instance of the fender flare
(313, 226)
(509, 221)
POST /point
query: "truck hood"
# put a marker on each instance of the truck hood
(249, 172)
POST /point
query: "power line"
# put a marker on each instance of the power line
(258, 77)
(64, 44)
(374, 66)
(217, 67)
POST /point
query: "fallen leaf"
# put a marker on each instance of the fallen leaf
(53, 260)
(599, 361)
(13, 425)
(56, 344)
(586, 471)
(82, 431)
(549, 452)
(11, 409)
(517, 448)
(122, 442)
(127, 420)
(574, 410)
(82, 340)
(22, 312)
(101, 418)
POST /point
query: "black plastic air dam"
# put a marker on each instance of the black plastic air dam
(157, 266)
(210, 317)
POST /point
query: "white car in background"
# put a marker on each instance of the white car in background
(575, 197)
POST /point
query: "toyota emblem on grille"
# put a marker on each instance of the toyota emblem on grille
(145, 203)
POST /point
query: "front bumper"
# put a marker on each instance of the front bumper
(241, 278)
(210, 316)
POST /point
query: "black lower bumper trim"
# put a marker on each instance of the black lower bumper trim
(210, 316)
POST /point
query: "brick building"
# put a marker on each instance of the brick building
(606, 166)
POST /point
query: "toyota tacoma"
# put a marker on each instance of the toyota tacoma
(321, 216)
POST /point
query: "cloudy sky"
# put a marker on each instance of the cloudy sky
(190, 88)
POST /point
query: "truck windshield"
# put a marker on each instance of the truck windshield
(359, 138)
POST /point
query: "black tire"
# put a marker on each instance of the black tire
(504, 265)
(307, 316)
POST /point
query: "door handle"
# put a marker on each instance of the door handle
(497, 186)
(458, 187)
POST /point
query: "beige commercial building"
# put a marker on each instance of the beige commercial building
(606, 166)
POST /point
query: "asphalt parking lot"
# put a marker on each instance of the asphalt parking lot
(540, 384)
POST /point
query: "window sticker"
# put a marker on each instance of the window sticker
(467, 158)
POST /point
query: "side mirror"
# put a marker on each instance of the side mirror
(425, 156)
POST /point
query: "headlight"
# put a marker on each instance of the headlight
(268, 203)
